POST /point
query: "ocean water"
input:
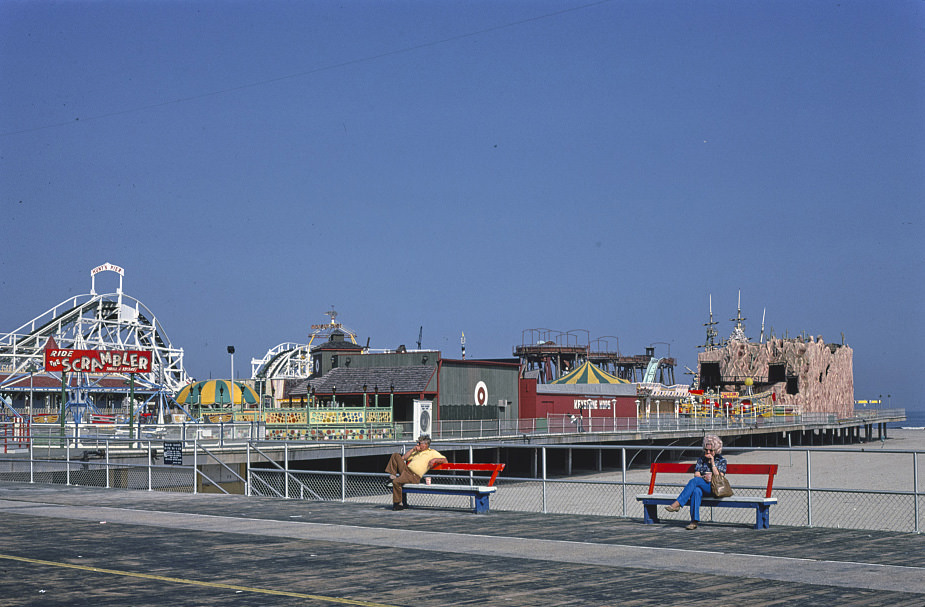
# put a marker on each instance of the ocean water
(915, 418)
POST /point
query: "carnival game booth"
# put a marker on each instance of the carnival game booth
(221, 401)
(587, 399)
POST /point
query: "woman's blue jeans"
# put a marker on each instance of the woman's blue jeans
(693, 493)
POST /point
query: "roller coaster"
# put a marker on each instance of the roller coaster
(290, 360)
(92, 321)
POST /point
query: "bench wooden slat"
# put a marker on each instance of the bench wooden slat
(447, 489)
(668, 498)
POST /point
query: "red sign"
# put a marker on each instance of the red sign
(97, 361)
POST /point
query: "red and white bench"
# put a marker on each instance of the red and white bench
(479, 493)
(762, 505)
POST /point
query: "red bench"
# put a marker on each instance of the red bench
(479, 493)
(762, 505)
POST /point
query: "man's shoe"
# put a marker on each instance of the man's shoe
(672, 508)
(692, 526)
(389, 484)
(397, 506)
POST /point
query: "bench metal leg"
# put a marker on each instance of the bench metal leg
(650, 513)
(481, 504)
(762, 517)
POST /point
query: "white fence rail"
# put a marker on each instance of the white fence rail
(555, 424)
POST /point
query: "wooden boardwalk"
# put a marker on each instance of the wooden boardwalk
(86, 546)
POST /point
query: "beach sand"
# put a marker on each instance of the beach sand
(872, 465)
(838, 474)
(835, 473)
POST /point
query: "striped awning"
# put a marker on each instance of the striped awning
(589, 374)
(216, 392)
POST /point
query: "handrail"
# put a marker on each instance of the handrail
(302, 485)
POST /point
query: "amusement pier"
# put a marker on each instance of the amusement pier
(99, 369)
(103, 360)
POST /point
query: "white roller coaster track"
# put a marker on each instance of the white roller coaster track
(287, 360)
(112, 321)
(291, 360)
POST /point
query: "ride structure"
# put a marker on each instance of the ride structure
(101, 322)
(773, 376)
(549, 354)
(292, 360)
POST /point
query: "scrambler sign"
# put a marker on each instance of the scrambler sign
(97, 361)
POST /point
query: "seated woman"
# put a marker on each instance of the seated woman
(708, 464)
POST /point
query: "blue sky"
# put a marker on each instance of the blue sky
(486, 167)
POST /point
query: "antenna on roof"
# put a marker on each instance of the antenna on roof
(761, 338)
(738, 332)
(332, 313)
(711, 331)
(462, 341)
(420, 335)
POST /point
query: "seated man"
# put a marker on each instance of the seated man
(410, 467)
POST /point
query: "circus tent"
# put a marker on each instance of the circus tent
(589, 374)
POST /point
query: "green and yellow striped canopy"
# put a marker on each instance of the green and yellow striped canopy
(589, 374)
(216, 392)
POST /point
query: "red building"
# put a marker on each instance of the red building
(586, 393)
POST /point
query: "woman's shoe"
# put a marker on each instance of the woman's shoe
(672, 508)
(692, 526)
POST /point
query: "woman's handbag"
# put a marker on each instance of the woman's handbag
(719, 486)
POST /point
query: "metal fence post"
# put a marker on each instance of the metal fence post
(623, 466)
(543, 451)
(67, 461)
(247, 471)
(343, 472)
(149, 466)
(915, 487)
(31, 456)
(195, 464)
(809, 490)
(286, 464)
(471, 461)
(108, 482)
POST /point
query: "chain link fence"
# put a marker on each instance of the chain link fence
(859, 487)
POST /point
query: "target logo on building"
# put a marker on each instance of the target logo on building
(481, 393)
